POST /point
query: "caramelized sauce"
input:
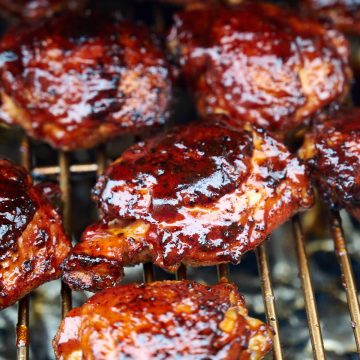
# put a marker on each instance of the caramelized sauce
(32, 240)
(163, 320)
(75, 81)
(16, 206)
(261, 64)
(335, 160)
(188, 168)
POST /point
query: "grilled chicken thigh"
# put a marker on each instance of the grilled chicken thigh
(32, 240)
(344, 14)
(79, 81)
(200, 195)
(260, 64)
(32, 10)
(332, 151)
(163, 320)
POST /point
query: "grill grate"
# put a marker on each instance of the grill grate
(310, 304)
(64, 171)
(269, 298)
(22, 327)
(347, 274)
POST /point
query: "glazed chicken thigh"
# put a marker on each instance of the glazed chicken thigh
(76, 81)
(260, 64)
(344, 14)
(32, 240)
(200, 195)
(332, 151)
(163, 320)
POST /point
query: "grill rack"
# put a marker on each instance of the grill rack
(64, 171)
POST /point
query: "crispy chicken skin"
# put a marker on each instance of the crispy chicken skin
(33, 10)
(259, 63)
(32, 240)
(344, 14)
(77, 81)
(332, 151)
(200, 195)
(163, 320)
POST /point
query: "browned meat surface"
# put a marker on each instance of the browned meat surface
(32, 240)
(163, 320)
(259, 63)
(333, 154)
(344, 14)
(200, 195)
(78, 81)
(37, 9)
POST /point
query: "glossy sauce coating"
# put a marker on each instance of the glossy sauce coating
(163, 320)
(200, 195)
(33, 10)
(333, 154)
(344, 14)
(196, 168)
(16, 206)
(76, 81)
(32, 240)
(259, 63)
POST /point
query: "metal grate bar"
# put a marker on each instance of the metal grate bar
(22, 329)
(55, 170)
(22, 326)
(101, 161)
(66, 299)
(181, 273)
(148, 272)
(269, 298)
(347, 275)
(223, 272)
(64, 180)
(310, 304)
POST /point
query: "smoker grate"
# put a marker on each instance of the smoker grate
(64, 171)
